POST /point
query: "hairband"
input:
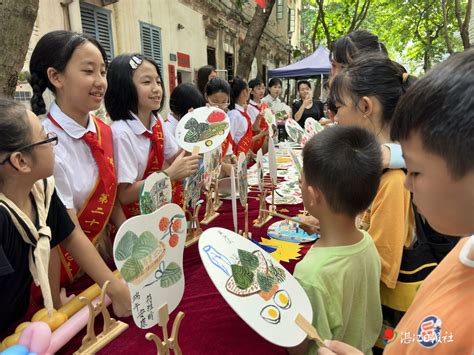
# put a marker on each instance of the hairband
(135, 62)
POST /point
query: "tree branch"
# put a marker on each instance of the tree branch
(315, 30)
(323, 21)
(354, 18)
(445, 25)
(363, 14)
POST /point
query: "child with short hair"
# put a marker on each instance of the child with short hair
(366, 94)
(33, 219)
(341, 272)
(184, 98)
(437, 139)
(141, 144)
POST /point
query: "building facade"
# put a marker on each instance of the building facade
(181, 35)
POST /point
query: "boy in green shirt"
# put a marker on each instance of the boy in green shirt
(341, 272)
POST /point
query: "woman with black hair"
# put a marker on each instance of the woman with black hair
(306, 106)
(205, 74)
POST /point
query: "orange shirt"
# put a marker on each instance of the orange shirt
(441, 317)
(390, 222)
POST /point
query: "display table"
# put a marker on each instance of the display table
(210, 326)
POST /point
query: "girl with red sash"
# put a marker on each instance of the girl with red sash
(84, 164)
(240, 121)
(255, 109)
(217, 94)
(142, 143)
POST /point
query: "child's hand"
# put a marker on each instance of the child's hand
(183, 167)
(263, 133)
(309, 220)
(332, 347)
(120, 295)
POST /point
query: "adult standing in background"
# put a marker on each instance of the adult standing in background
(306, 106)
(205, 74)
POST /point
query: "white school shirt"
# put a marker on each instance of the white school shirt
(75, 169)
(238, 123)
(132, 148)
(253, 111)
(171, 124)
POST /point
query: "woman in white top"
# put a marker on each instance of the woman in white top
(142, 145)
(273, 101)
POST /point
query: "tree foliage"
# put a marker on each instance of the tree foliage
(416, 32)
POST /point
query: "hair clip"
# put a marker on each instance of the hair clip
(404, 77)
(135, 62)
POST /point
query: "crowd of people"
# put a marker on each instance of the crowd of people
(398, 149)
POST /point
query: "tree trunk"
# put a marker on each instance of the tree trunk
(323, 22)
(252, 38)
(16, 25)
(463, 25)
(445, 25)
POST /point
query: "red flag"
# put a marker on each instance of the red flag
(261, 3)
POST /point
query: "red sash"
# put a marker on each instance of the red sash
(263, 125)
(245, 142)
(156, 159)
(225, 145)
(95, 214)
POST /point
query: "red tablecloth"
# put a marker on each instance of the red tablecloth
(210, 326)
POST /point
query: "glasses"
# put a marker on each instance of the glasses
(51, 138)
(219, 105)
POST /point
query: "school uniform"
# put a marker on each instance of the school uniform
(171, 123)
(85, 175)
(140, 151)
(240, 130)
(254, 109)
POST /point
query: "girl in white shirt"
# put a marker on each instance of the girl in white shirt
(73, 67)
(141, 144)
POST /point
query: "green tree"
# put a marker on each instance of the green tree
(417, 33)
(324, 22)
(16, 25)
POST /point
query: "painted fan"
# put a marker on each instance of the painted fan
(205, 127)
(266, 296)
(155, 192)
(148, 252)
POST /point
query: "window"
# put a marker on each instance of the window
(96, 22)
(291, 20)
(229, 65)
(279, 9)
(211, 56)
(151, 43)
(22, 96)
